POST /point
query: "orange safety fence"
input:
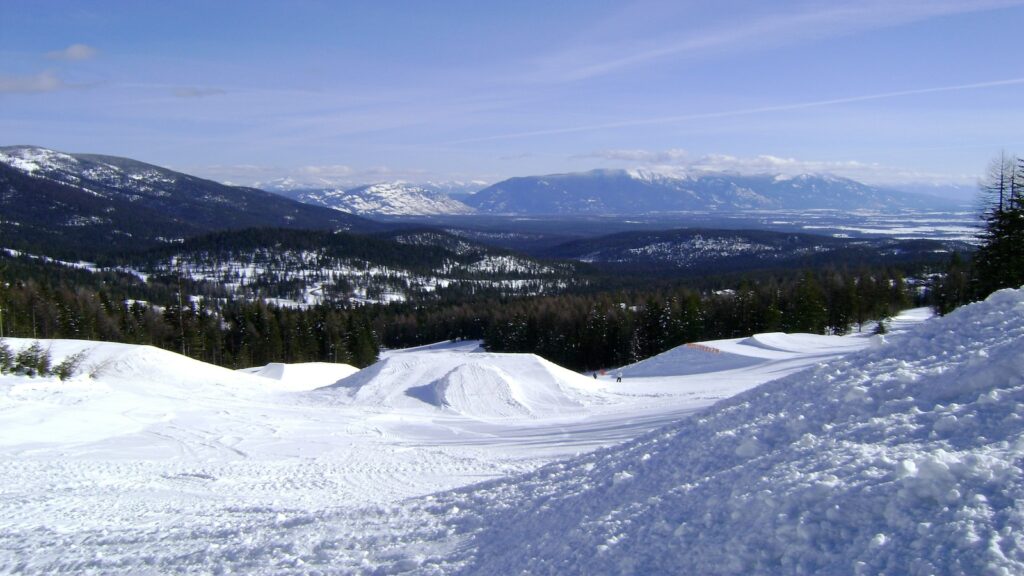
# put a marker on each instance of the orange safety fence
(704, 348)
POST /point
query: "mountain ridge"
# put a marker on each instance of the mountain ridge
(67, 201)
(398, 198)
(629, 192)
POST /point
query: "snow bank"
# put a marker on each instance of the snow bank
(476, 385)
(799, 343)
(443, 346)
(131, 363)
(904, 458)
(302, 376)
(120, 389)
(689, 359)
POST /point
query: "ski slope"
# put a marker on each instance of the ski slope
(163, 464)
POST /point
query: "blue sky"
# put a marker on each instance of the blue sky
(887, 92)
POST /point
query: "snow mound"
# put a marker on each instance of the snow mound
(120, 389)
(689, 359)
(444, 346)
(797, 343)
(132, 365)
(477, 385)
(904, 458)
(302, 376)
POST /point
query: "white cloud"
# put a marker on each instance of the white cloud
(74, 52)
(327, 171)
(311, 176)
(674, 155)
(627, 44)
(195, 92)
(677, 162)
(628, 123)
(36, 83)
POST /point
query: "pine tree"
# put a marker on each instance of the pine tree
(999, 262)
(809, 312)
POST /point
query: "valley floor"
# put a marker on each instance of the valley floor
(162, 464)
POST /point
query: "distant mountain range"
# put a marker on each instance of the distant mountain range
(54, 200)
(619, 192)
(51, 199)
(629, 192)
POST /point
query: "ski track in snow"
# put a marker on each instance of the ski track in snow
(162, 464)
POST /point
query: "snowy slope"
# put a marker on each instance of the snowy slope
(477, 385)
(385, 198)
(198, 469)
(902, 459)
(304, 376)
(56, 201)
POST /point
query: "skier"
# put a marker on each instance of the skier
(618, 376)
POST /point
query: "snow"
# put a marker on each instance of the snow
(476, 385)
(387, 198)
(903, 458)
(775, 453)
(303, 376)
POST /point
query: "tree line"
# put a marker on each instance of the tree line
(582, 331)
(999, 260)
(232, 333)
(592, 331)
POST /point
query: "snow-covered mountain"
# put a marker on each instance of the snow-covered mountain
(644, 192)
(385, 199)
(70, 200)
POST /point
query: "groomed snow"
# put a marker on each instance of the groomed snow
(856, 454)
(304, 376)
(902, 459)
(475, 385)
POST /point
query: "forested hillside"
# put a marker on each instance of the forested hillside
(581, 328)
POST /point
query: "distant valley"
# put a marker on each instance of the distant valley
(396, 242)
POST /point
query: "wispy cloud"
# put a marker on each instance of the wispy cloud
(34, 84)
(679, 162)
(196, 92)
(603, 52)
(747, 111)
(671, 156)
(311, 176)
(73, 53)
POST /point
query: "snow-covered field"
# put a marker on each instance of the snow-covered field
(888, 454)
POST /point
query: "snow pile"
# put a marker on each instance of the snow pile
(476, 385)
(119, 389)
(903, 459)
(802, 343)
(689, 359)
(303, 376)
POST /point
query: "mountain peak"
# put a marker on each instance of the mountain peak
(394, 198)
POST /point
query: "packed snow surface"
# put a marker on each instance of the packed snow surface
(477, 385)
(775, 453)
(304, 376)
(901, 459)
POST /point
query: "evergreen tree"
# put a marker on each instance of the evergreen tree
(809, 312)
(999, 262)
(952, 288)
